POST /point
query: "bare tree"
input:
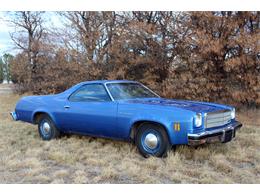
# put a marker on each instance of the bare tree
(212, 56)
(95, 32)
(29, 32)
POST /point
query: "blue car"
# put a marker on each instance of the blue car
(128, 110)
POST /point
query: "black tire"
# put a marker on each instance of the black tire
(152, 140)
(44, 123)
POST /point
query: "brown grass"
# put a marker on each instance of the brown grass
(25, 158)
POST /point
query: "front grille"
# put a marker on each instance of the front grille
(216, 119)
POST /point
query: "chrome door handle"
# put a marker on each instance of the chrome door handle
(66, 107)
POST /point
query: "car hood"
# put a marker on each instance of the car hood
(194, 106)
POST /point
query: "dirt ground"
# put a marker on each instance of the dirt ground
(25, 158)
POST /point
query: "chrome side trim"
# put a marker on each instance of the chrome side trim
(111, 97)
(149, 90)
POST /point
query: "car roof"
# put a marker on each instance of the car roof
(109, 81)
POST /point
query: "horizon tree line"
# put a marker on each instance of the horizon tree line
(210, 56)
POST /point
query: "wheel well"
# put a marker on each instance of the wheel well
(37, 116)
(137, 124)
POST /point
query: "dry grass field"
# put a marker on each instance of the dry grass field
(25, 158)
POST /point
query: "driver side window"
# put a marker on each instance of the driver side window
(90, 93)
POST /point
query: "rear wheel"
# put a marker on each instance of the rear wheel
(152, 140)
(47, 128)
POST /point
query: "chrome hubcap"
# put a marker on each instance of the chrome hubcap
(151, 141)
(46, 127)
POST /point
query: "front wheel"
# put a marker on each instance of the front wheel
(47, 128)
(152, 140)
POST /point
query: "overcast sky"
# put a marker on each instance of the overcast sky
(6, 44)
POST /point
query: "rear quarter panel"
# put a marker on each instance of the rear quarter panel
(27, 107)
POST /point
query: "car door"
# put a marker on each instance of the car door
(89, 110)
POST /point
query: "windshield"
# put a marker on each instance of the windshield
(120, 91)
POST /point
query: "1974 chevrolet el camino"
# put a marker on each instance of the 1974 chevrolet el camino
(128, 110)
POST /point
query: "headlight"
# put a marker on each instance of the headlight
(198, 120)
(233, 113)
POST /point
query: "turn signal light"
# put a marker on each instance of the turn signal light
(177, 126)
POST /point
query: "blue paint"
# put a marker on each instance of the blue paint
(114, 119)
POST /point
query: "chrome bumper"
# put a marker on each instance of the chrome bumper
(223, 135)
(14, 116)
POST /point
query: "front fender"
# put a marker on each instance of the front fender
(130, 115)
(176, 136)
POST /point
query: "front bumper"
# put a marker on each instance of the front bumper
(14, 116)
(223, 135)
